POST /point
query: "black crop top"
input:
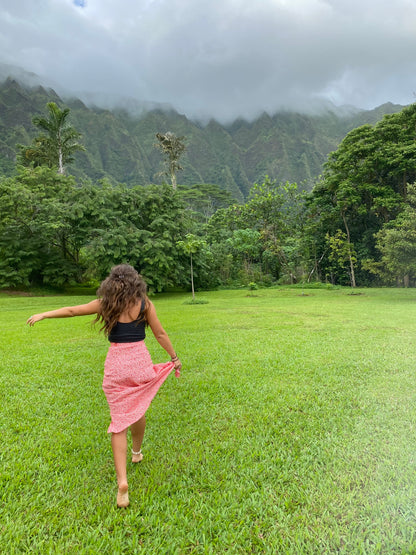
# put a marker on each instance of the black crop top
(129, 332)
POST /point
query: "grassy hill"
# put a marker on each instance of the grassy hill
(119, 145)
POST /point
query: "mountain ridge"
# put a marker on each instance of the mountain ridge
(287, 146)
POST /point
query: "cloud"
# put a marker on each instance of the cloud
(221, 58)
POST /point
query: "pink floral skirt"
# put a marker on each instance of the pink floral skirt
(130, 382)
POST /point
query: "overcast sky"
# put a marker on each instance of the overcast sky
(220, 58)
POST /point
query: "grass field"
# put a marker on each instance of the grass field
(291, 430)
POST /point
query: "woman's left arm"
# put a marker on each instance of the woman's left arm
(161, 336)
(67, 312)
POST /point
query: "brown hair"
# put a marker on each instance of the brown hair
(122, 289)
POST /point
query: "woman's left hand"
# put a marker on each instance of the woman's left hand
(177, 365)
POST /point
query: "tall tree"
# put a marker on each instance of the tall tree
(341, 253)
(58, 142)
(172, 147)
(191, 245)
(364, 185)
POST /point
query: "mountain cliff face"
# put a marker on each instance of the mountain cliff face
(119, 146)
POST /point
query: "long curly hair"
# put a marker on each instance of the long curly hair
(122, 289)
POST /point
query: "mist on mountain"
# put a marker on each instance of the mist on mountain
(119, 136)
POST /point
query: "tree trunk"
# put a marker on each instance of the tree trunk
(352, 273)
(61, 169)
(192, 280)
(173, 180)
(316, 267)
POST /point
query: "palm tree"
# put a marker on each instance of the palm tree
(56, 146)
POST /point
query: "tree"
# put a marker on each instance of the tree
(58, 142)
(190, 246)
(341, 253)
(364, 185)
(44, 225)
(54, 232)
(140, 226)
(396, 242)
(246, 244)
(264, 234)
(204, 199)
(276, 210)
(172, 148)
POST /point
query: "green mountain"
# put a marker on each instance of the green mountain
(119, 145)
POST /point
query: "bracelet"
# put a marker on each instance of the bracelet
(174, 358)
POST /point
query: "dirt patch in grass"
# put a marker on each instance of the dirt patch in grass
(13, 293)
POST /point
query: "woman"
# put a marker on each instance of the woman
(130, 378)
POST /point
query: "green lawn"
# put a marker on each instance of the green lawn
(291, 430)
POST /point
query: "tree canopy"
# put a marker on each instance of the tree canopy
(365, 185)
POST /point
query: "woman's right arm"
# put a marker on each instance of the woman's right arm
(67, 312)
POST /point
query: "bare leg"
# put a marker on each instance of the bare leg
(119, 445)
(137, 432)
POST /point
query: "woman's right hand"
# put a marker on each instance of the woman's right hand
(35, 318)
